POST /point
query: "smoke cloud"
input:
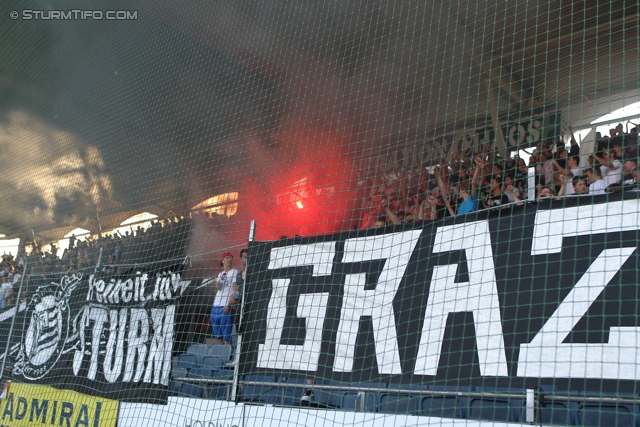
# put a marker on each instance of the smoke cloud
(275, 100)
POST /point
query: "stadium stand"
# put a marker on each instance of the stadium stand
(438, 217)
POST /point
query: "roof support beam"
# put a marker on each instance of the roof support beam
(505, 80)
(494, 110)
(496, 72)
(570, 38)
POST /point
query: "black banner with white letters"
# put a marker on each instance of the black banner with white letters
(543, 294)
(528, 133)
(108, 333)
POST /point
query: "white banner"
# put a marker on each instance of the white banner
(186, 412)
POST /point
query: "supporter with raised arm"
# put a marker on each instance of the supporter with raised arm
(616, 146)
(519, 176)
(611, 167)
(494, 196)
(437, 207)
(574, 150)
(225, 286)
(370, 218)
(512, 193)
(427, 209)
(447, 200)
(547, 167)
(631, 144)
(560, 160)
(469, 199)
(572, 171)
(573, 166)
(395, 218)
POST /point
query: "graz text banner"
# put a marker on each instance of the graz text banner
(541, 294)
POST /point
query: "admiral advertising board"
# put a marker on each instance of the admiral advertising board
(103, 333)
(27, 405)
(541, 294)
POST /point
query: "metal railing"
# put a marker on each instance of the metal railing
(533, 399)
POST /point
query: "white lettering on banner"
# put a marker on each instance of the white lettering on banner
(136, 344)
(551, 226)
(311, 307)
(318, 255)
(479, 296)
(121, 323)
(546, 355)
(99, 317)
(533, 130)
(396, 248)
(159, 361)
(167, 286)
(117, 327)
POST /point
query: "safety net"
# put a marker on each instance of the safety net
(333, 213)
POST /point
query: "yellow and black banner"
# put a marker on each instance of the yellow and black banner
(29, 405)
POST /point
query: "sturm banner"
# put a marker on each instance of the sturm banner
(541, 294)
(108, 333)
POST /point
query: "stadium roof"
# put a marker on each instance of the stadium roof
(100, 120)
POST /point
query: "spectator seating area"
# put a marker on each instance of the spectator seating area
(201, 362)
(397, 194)
(419, 194)
(164, 240)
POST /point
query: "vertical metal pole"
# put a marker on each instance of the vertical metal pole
(531, 183)
(530, 406)
(252, 230)
(99, 261)
(361, 401)
(234, 387)
(13, 320)
(99, 225)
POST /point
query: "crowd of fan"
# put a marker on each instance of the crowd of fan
(163, 240)
(11, 275)
(486, 181)
(490, 182)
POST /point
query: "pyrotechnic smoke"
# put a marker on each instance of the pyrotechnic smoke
(274, 100)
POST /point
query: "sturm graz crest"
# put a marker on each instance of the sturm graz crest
(48, 328)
